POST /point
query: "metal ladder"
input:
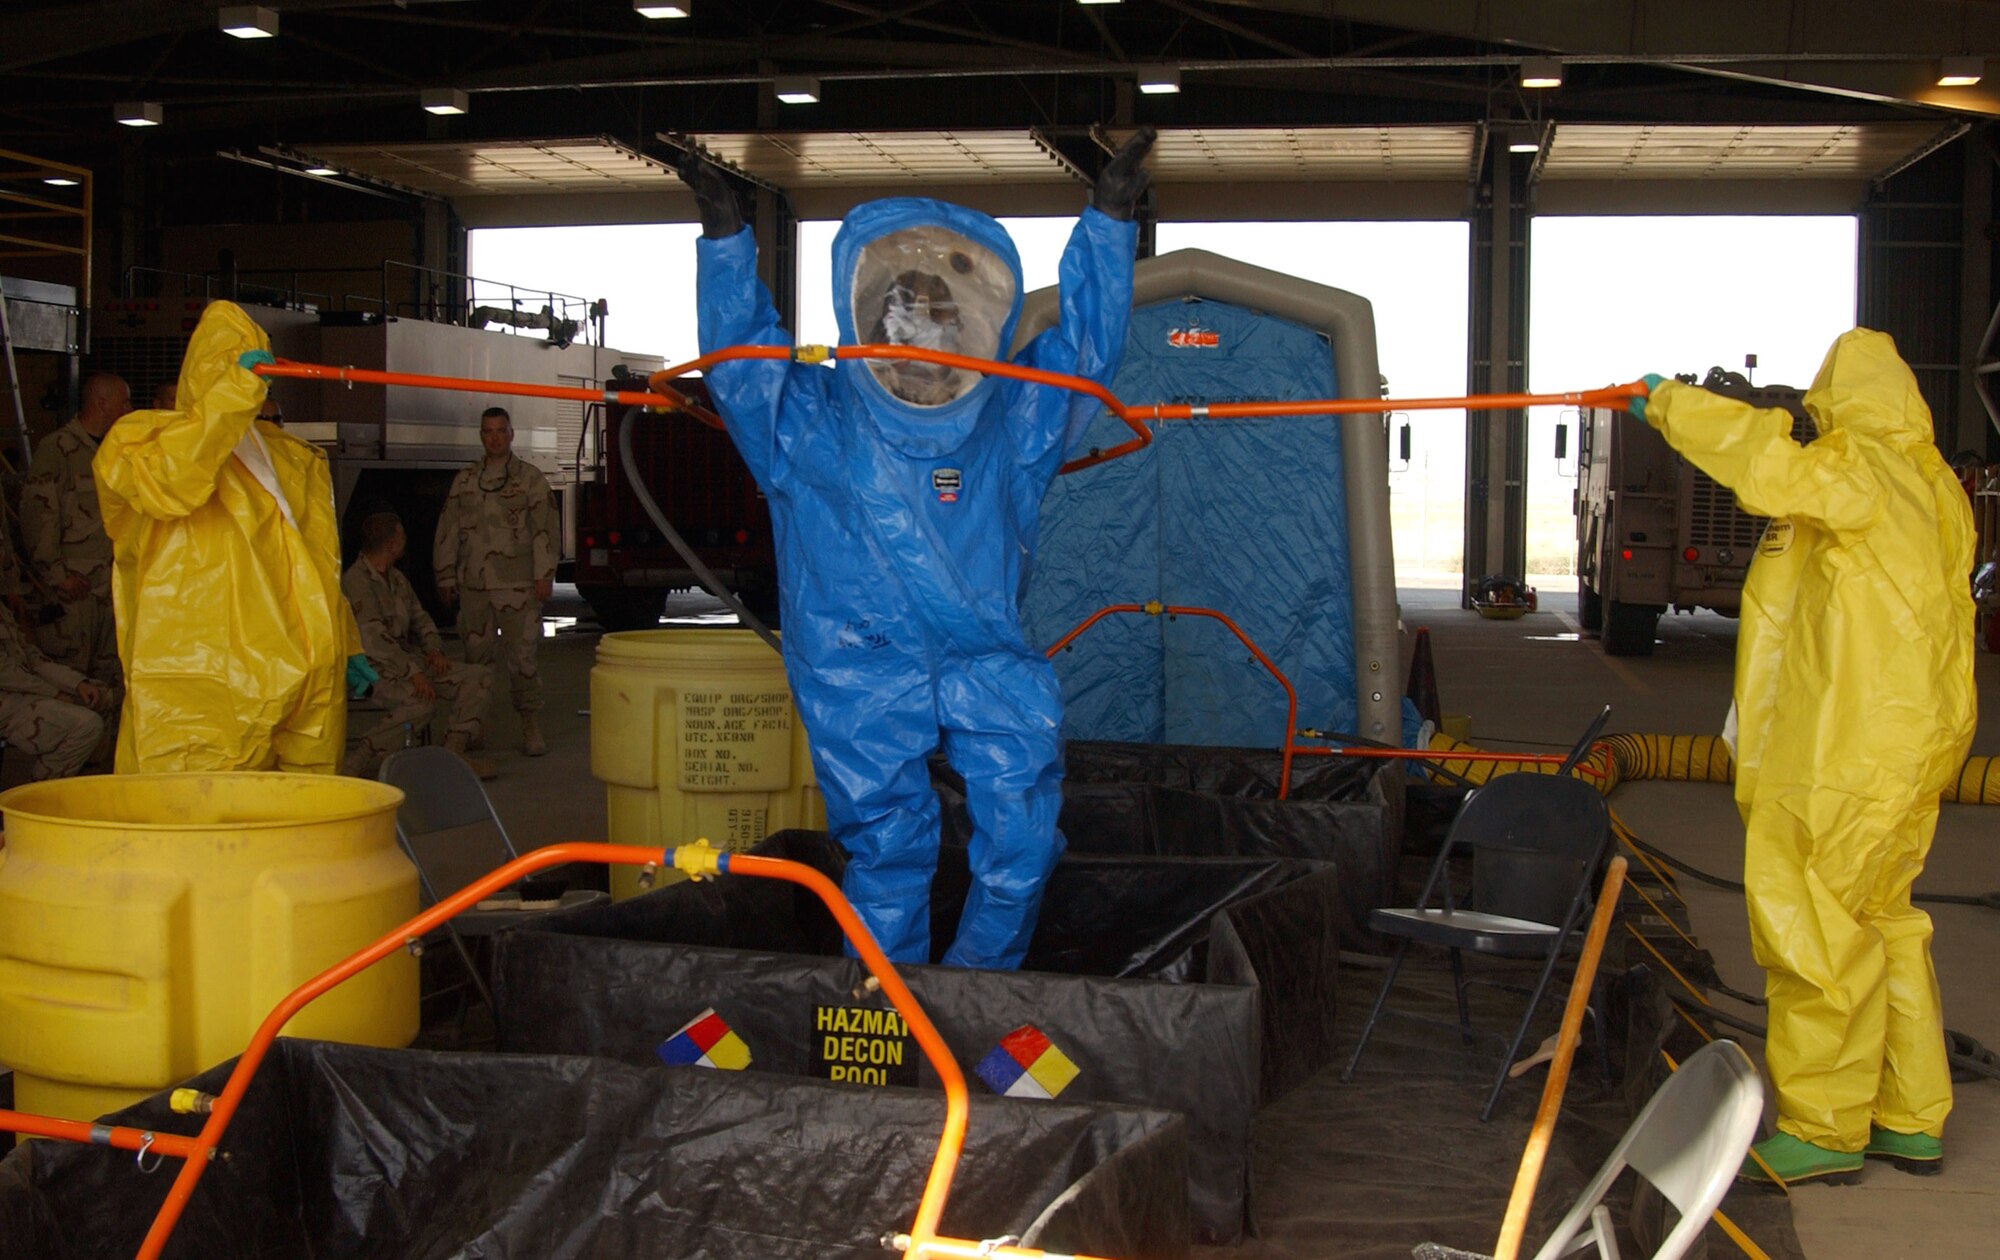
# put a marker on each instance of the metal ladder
(14, 382)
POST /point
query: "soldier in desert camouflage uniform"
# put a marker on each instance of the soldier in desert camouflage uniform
(496, 558)
(62, 530)
(405, 649)
(47, 710)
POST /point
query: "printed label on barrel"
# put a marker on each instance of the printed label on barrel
(732, 741)
(741, 829)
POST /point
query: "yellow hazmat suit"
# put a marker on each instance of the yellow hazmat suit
(226, 582)
(1854, 706)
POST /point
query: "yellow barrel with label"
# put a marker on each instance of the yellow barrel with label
(693, 734)
(149, 923)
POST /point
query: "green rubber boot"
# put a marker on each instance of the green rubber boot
(1918, 1154)
(1795, 1161)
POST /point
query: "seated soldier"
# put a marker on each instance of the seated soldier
(404, 647)
(47, 710)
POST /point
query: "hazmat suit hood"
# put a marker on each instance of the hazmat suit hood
(1865, 387)
(211, 383)
(912, 271)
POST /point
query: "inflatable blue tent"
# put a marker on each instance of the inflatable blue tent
(1282, 524)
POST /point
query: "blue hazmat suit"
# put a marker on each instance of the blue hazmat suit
(905, 503)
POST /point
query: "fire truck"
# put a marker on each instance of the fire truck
(1654, 532)
(400, 446)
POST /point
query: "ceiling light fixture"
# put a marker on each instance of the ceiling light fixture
(247, 21)
(60, 181)
(1159, 80)
(1541, 72)
(1100, 1)
(654, 9)
(445, 101)
(797, 89)
(1961, 71)
(1524, 146)
(321, 170)
(139, 113)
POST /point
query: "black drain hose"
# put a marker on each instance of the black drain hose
(702, 572)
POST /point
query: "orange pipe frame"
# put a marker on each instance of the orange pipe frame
(661, 395)
(698, 861)
(1154, 608)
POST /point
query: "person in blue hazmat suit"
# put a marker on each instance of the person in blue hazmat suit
(1854, 707)
(905, 499)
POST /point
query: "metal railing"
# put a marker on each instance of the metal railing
(402, 291)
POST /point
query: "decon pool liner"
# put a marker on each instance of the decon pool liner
(1203, 986)
(1180, 800)
(342, 1151)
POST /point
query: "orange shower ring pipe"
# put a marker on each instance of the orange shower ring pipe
(660, 393)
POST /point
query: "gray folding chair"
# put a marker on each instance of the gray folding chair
(1689, 1141)
(452, 835)
(1537, 842)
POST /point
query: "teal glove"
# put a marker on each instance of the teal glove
(249, 359)
(360, 675)
(1637, 406)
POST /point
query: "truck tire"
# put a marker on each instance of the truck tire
(1589, 610)
(625, 607)
(1628, 629)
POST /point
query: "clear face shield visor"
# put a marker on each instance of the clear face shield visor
(930, 288)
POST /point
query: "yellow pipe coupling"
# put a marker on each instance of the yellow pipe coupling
(699, 860)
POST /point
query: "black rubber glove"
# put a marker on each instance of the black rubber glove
(713, 196)
(1124, 180)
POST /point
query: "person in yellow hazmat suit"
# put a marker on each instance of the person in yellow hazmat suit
(226, 573)
(1854, 706)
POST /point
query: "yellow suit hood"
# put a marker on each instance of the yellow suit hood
(1865, 387)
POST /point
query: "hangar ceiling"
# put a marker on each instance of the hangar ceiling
(1183, 155)
(1358, 89)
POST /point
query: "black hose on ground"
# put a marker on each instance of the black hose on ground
(1967, 1057)
(1990, 901)
(702, 572)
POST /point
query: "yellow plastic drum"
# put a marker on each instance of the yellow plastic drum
(694, 735)
(148, 923)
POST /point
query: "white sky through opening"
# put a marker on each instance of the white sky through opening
(1615, 298)
(644, 271)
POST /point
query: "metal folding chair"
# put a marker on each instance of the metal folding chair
(1536, 843)
(449, 829)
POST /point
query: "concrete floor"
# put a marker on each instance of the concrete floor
(1532, 683)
